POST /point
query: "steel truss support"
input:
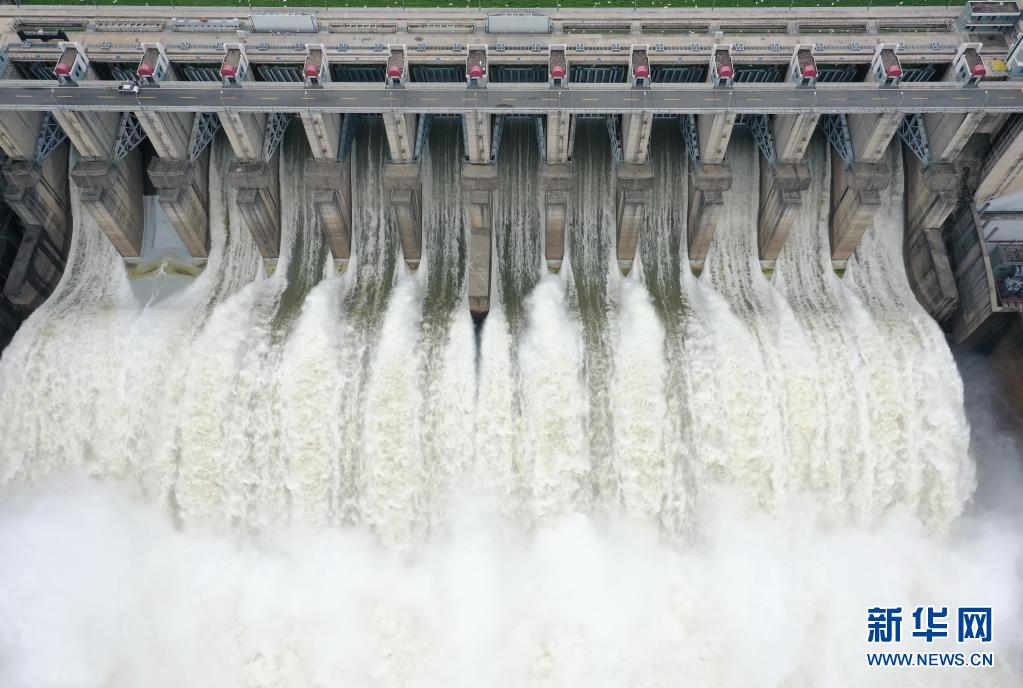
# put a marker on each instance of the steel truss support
(836, 128)
(691, 138)
(129, 135)
(615, 135)
(276, 125)
(205, 126)
(913, 132)
(348, 126)
(423, 135)
(50, 136)
(760, 127)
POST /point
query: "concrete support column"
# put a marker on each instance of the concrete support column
(633, 184)
(404, 184)
(714, 132)
(932, 193)
(258, 202)
(792, 134)
(1002, 172)
(405, 187)
(18, 134)
(37, 192)
(477, 137)
(92, 133)
(323, 129)
(112, 193)
(557, 182)
(479, 182)
(871, 134)
(330, 187)
(36, 269)
(330, 183)
(559, 137)
(855, 197)
(245, 131)
(169, 132)
(401, 135)
(636, 137)
(708, 185)
(183, 193)
(781, 197)
(948, 134)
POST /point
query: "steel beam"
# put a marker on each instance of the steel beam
(50, 136)
(129, 135)
(836, 128)
(204, 129)
(276, 125)
(914, 134)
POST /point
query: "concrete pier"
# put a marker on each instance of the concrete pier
(636, 137)
(480, 181)
(781, 197)
(948, 134)
(403, 182)
(112, 193)
(932, 193)
(168, 132)
(37, 267)
(401, 135)
(183, 193)
(477, 137)
(18, 134)
(38, 192)
(792, 134)
(1002, 172)
(405, 188)
(559, 137)
(258, 201)
(708, 185)
(871, 134)
(633, 185)
(245, 131)
(323, 129)
(330, 183)
(557, 182)
(855, 197)
(715, 132)
(92, 133)
(330, 188)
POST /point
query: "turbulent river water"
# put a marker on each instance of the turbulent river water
(657, 479)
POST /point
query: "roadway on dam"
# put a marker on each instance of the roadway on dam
(522, 99)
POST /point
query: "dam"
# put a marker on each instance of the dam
(581, 347)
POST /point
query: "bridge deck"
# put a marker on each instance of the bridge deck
(518, 98)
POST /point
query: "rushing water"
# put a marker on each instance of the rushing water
(658, 479)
